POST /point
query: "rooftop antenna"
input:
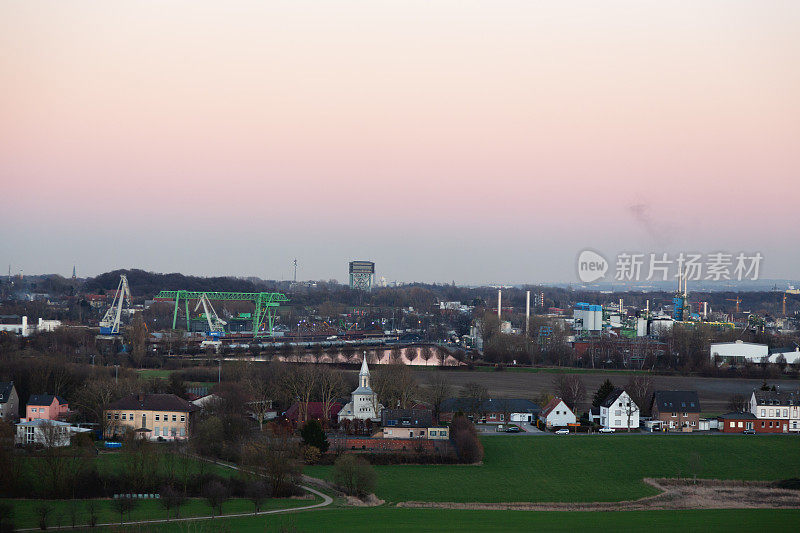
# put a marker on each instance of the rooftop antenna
(295, 269)
(73, 272)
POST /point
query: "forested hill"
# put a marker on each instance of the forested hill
(150, 283)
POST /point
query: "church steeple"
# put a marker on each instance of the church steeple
(363, 376)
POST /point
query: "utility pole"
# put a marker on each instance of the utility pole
(116, 374)
(219, 373)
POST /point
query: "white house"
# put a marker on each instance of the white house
(789, 356)
(557, 414)
(779, 407)
(739, 352)
(619, 411)
(48, 433)
(363, 404)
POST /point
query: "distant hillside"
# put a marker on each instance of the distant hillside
(148, 284)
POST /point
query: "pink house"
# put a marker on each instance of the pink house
(46, 406)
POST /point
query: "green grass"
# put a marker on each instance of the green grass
(560, 370)
(150, 373)
(25, 510)
(366, 520)
(585, 468)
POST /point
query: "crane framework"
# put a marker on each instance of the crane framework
(266, 305)
(109, 325)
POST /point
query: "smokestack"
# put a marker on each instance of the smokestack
(527, 312)
(705, 310)
(499, 303)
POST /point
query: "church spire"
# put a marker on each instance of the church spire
(363, 375)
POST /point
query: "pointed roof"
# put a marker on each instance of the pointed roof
(364, 368)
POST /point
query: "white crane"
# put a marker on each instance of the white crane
(110, 323)
(216, 326)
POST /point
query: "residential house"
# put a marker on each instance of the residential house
(46, 407)
(737, 422)
(491, 411)
(677, 409)
(314, 411)
(363, 404)
(408, 424)
(9, 401)
(150, 416)
(777, 411)
(46, 432)
(618, 411)
(557, 414)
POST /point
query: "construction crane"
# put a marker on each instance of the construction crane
(266, 304)
(109, 325)
(216, 326)
(737, 300)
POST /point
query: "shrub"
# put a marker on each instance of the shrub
(311, 454)
(465, 438)
(313, 435)
(354, 475)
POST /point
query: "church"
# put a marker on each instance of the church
(363, 403)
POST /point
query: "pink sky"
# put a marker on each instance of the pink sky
(431, 137)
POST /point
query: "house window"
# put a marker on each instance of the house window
(617, 413)
(432, 433)
(674, 414)
(741, 424)
(617, 423)
(685, 414)
(388, 431)
(116, 416)
(763, 424)
(733, 424)
(772, 412)
(502, 417)
(694, 423)
(785, 412)
(158, 417)
(183, 418)
(108, 416)
(123, 416)
(157, 431)
(174, 418)
(763, 412)
(173, 432)
(183, 432)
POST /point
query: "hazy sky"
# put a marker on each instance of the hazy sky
(468, 141)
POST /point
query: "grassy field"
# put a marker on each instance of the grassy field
(25, 510)
(150, 373)
(586, 468)
(422, 520)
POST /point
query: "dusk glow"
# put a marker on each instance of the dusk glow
(480, 141)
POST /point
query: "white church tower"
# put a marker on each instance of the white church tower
(363, 403)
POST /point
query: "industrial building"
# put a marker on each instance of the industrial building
(739, 352)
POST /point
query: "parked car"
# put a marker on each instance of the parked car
(605, 430)
(750, 431)
(513, 429)
(562, 431)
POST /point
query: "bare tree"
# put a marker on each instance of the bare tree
(570, 388)
(261, 391)
(437, 392)
(330, 385)
(475, 394)
(300, 381)
(738, 403)
(640, 389)
(394, 385)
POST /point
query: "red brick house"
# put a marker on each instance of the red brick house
(315, 410)
(737, 422)
(678, 410)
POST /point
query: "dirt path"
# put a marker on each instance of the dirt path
(676, 494)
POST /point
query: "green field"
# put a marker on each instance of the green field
(150, 373)
(25, 514)
(586, 468)
(367, 520)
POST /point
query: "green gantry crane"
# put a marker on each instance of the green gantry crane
(266, 304)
